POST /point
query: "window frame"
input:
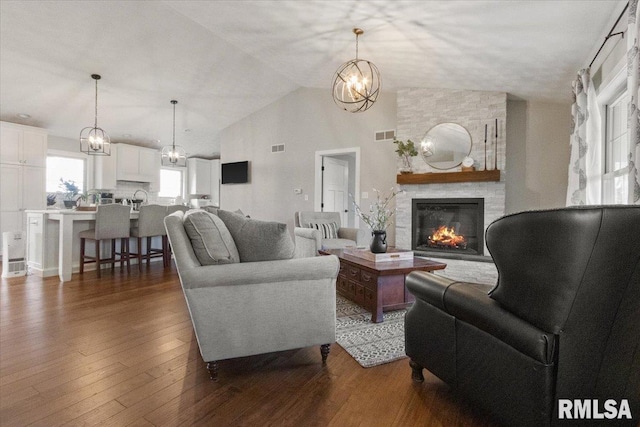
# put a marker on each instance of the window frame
(88, 166)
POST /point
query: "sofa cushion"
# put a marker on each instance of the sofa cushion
(258, 240)
(328, 230)
(211, 240)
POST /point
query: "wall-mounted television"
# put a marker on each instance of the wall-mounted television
(235, 173)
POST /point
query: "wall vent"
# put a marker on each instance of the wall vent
(279, 148)
(384, 135)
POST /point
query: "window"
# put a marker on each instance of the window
(67, 168)
(616, 150)
(171, 183)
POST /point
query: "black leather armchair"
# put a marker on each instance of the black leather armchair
(563, 321)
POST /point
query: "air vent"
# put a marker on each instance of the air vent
(279, 148)
(385, 135)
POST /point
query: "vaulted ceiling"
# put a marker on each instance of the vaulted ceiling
(223, 60)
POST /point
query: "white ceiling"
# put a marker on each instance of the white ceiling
(223, 60)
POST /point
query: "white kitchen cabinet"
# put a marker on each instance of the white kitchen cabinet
(104, 168)
(22, 145)
(215, 182)
(23, 158)
(137, 164)
(199, 171)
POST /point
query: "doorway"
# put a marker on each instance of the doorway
(337, 183)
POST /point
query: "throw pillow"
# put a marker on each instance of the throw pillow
(258, 240)
(328, 230)
(211, 240)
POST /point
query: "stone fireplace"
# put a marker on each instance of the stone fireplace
(453, 226)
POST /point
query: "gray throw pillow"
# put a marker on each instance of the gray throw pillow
(258, 240)
(211, 241)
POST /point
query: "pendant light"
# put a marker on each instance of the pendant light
(174, 155)
(94, 140)
(357, 83)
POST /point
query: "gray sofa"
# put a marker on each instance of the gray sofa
(345, 236)
(246, 308)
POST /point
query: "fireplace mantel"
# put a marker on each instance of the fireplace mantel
(446, 177)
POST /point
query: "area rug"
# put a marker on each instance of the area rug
(370, 344)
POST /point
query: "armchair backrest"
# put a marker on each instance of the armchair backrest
(304, 218)
(576, 272)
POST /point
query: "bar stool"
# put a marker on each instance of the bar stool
(112, 222)
(150, 224)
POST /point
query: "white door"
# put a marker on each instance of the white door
(335, 187)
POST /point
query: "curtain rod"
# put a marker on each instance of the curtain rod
(610, 34)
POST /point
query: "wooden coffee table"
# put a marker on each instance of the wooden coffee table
(377, 286)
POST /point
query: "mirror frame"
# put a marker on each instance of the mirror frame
(465, 154)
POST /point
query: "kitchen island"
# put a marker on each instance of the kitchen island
(53, 242)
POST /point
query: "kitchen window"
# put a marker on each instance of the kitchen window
(171, 183)
(67, 169)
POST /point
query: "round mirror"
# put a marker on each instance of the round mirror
(445, 145)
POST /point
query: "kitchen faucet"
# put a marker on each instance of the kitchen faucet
(146, 196)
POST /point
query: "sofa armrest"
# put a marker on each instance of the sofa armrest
(248, 273)
(308, 242)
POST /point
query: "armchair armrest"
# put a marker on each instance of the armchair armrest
(308, 242)
(356, 234)
(288, 270)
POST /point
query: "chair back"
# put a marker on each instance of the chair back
(113, 221)
(175, 208)
(151, 220)
(576, 272)
(304, 218)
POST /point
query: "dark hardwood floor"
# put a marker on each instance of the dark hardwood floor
(120, 350)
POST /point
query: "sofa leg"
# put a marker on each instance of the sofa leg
(324, 351)
(416, 372)
(212, 367)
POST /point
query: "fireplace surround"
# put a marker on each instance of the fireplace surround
(449, 227)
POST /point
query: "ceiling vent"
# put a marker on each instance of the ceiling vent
(279, 148)
(384, 135)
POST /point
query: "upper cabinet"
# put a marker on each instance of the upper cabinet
(23, 145)
(137, 164)
(104, 168)
(204, 178)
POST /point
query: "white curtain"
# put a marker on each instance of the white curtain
(633, 77)
(585, 170)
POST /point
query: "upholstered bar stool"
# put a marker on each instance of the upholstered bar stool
(112, 222)
(171, 209)
(150, 224)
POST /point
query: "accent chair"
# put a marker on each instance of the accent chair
(330, 233)
(563, 321)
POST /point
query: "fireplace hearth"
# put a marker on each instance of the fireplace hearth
(448, 226)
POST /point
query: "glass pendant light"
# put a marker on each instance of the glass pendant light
(357, 83)
(93, 139)
(174, 155)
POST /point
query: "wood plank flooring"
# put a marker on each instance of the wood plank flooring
(120, 351)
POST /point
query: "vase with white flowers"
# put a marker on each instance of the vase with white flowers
(379, 218)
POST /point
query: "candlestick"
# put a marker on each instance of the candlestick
(485, 146)
(495, 153)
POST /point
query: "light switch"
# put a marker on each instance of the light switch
(365, 195)
(306, 197)
(297, 191)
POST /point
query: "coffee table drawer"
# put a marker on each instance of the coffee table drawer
(368, 280)
(359, 297)
(342, 284)
(353, 273)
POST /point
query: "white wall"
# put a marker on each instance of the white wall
(537, 155)
(306, 121)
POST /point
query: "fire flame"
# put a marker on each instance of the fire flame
(447, 236)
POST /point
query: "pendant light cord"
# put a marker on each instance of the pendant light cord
(174, 127)
(357, 46)
(96, 116)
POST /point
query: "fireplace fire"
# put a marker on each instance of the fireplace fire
(452, 226)
(446, 237)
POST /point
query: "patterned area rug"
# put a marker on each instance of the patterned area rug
(370, 344)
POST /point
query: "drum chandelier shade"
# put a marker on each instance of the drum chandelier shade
(94, 140)
(174, 155)
(357, 83)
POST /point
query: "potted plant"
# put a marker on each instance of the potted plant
(70, 190)
(379, 218)
(406, 150)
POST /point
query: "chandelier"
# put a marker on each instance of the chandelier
(357, 83)
(174, 155)
(94, 140)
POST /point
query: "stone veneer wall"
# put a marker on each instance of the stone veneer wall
(421, 109)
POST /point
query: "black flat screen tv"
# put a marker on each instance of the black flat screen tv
(235, 173)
